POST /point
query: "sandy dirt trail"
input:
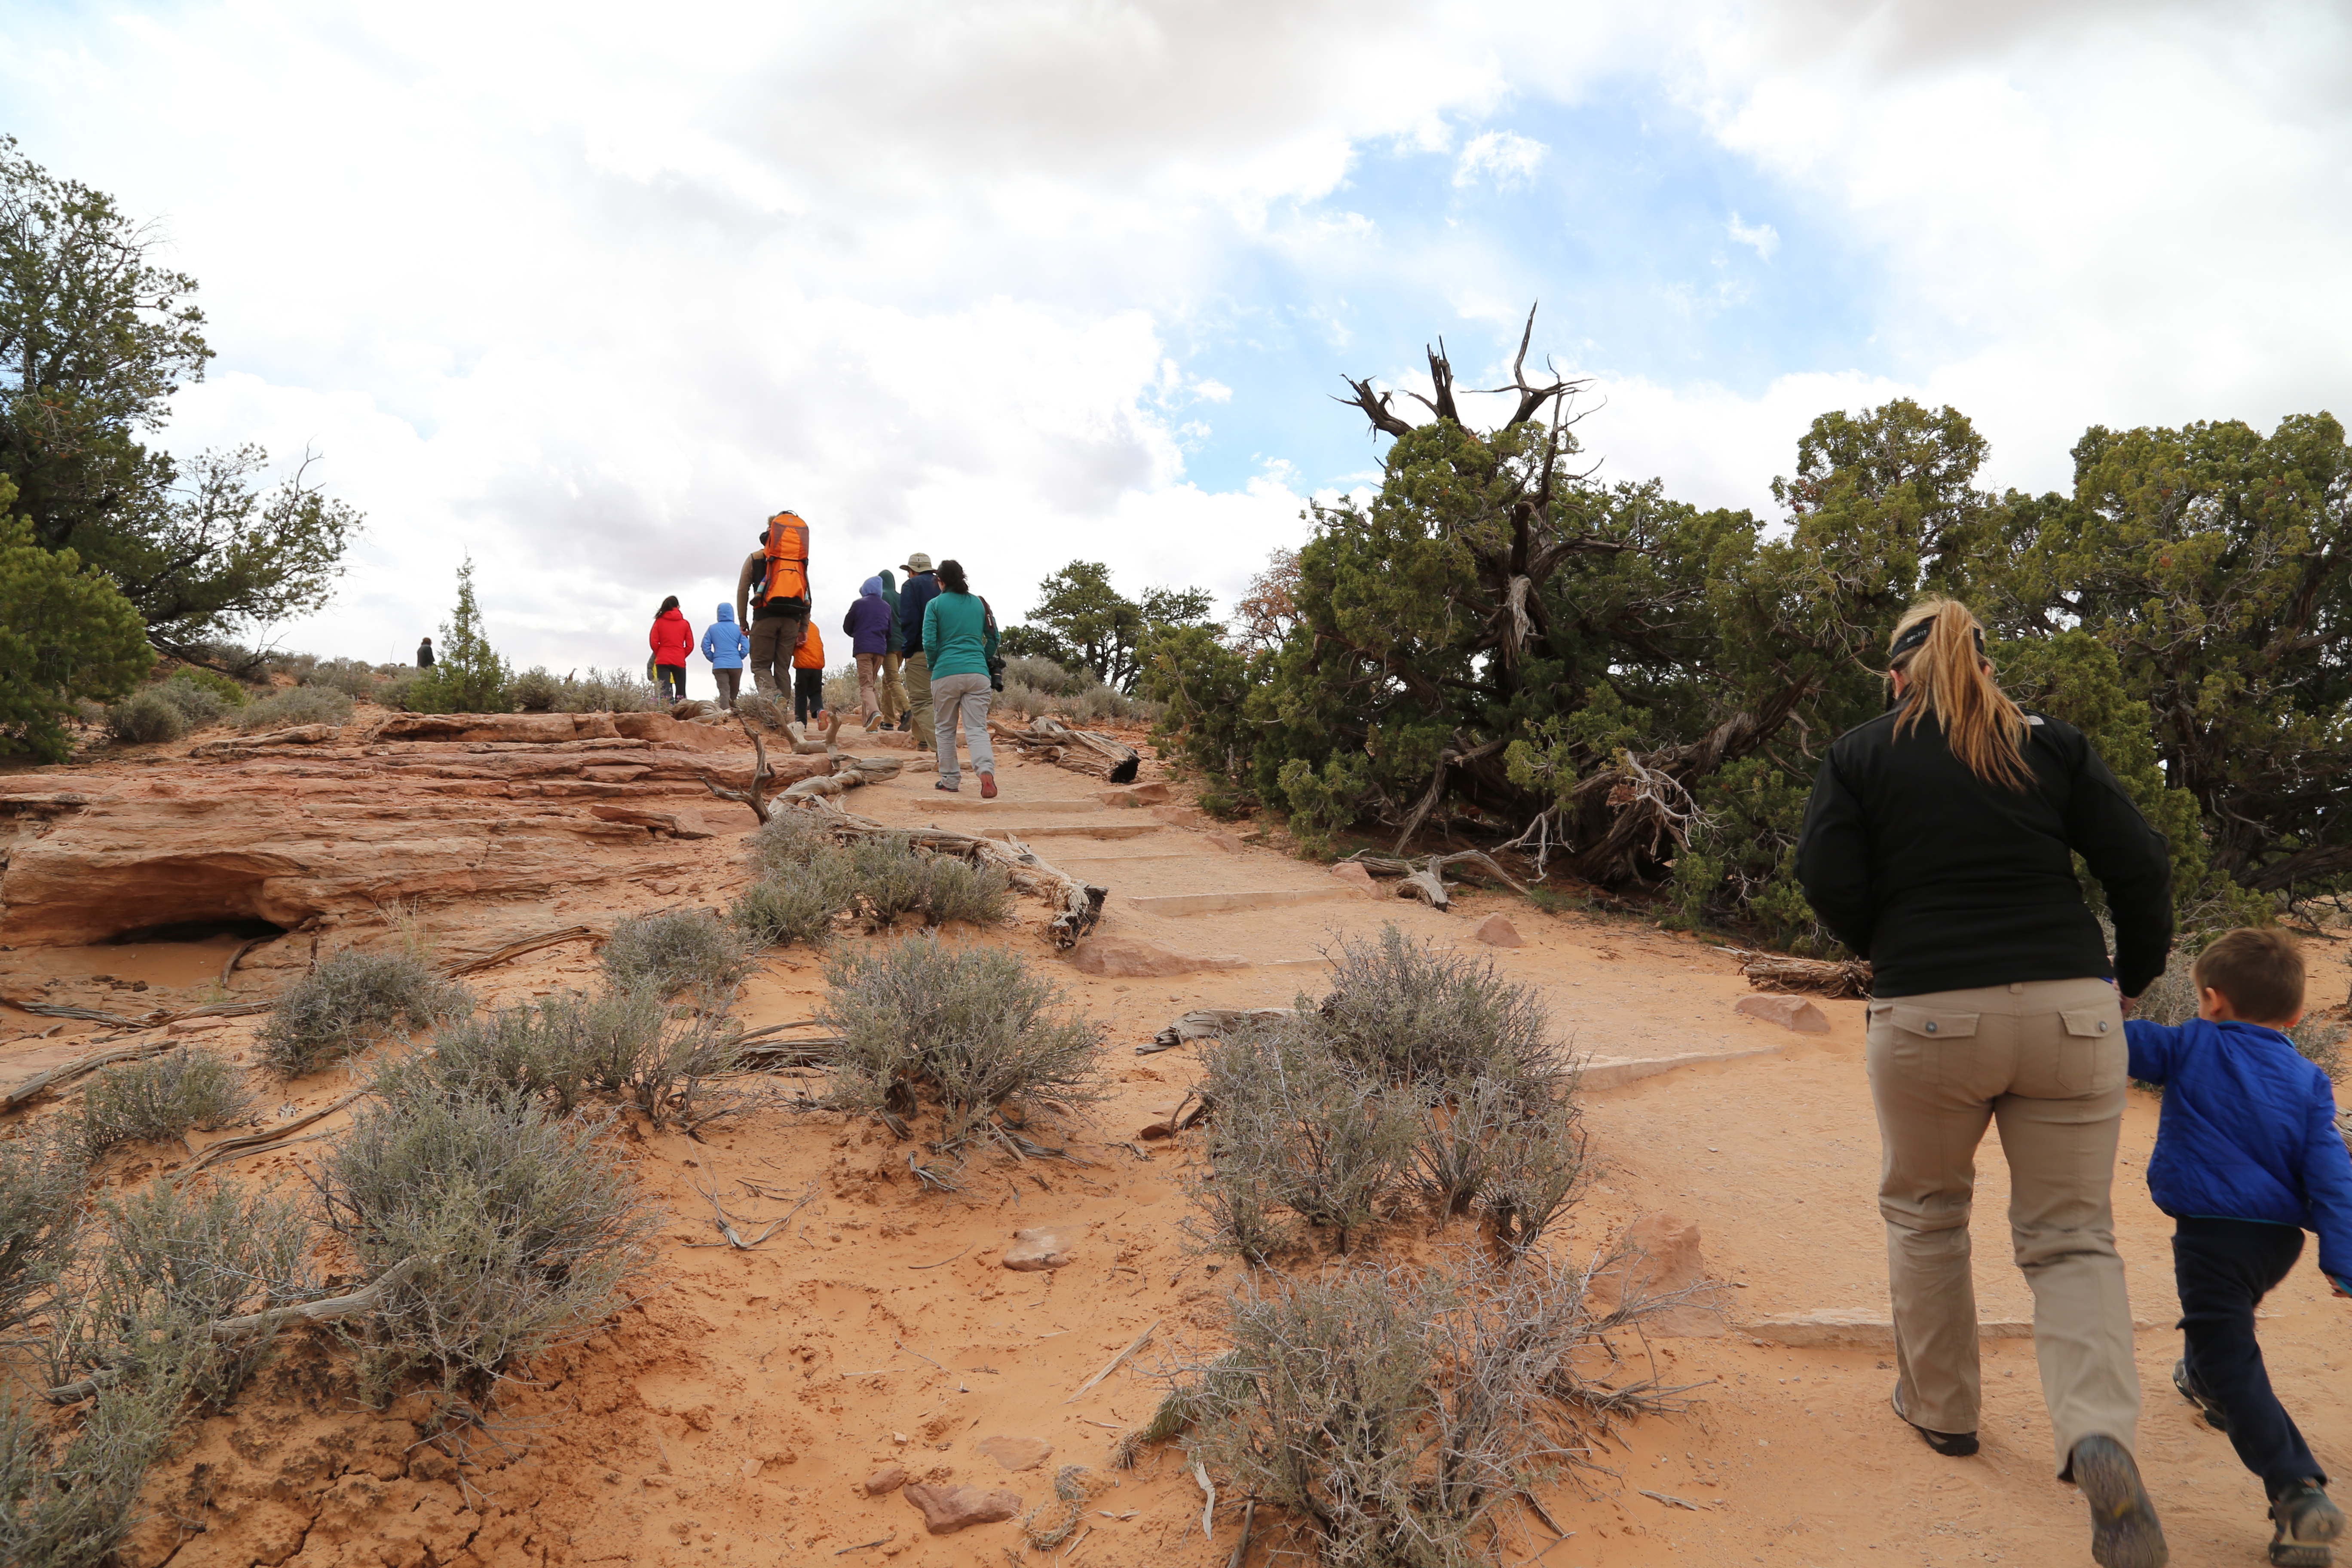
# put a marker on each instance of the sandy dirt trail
(732, 1415)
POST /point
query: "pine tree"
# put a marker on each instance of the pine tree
(468, 676)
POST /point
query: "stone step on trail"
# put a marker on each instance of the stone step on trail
(1070, 805)
(1186, 904)
(1070, 829)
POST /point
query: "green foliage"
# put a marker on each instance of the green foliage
(69, 1501)
(1401, 1010)
(535, 690)
(971, 1028)
(145, 719)
(66, 636)
(296, 705)
(469, 676)
(691, 950)
(162, 1098)
(610, 691)
(1081, 621)
(227, 692)
(350, 999)
(352, 677)
(524, 1229)
(1326, 803)
(94, 341)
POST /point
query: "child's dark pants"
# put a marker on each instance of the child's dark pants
(2225, 1268)
(808, 694)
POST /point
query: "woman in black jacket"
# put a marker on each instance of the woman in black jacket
(1940, 844)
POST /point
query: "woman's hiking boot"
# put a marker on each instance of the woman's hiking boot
(2207, 1408)
(1951, 1445)
(2124, 1531)
(2308, 1522)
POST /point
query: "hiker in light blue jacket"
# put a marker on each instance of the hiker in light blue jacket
(726, 647)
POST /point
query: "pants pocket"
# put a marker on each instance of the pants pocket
(2088, 1055)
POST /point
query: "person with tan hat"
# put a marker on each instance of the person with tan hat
(921, 587)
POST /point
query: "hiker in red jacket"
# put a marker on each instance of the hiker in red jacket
(672, 640)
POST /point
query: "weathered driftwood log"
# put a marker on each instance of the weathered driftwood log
(1209, 1023)
(1080, 751)
(814, 746)
(82, 1067)
(517, 948)
(252, 1323)
(761, 776)
(1427, 881)
(1821, 977)
(847, 774)
(1079, 904)
(269, 1137)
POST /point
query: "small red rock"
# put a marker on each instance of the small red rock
(1789, 1012)
(1038, 1247)
(1497, 932)
(1018, 1453)
(885, 1480)
(946, 1509)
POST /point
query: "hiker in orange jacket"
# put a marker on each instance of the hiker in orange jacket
(672, 640)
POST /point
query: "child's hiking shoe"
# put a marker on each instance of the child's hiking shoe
(1951, 1445)
(2124, 1531)
(2212, 1412)
(2308, 1521)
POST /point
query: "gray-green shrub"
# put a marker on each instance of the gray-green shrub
(352, 677)
(971, 1030)
(349, 1000)
(1411, 1012)
(296, 705)
(71, 1502)
(802, 871)
(527, 1231)
(799, 905)
(535, 690)
(162, 1097)
(667, 953)
(226, 693)
(146, 718)
(607, 691)
(561, 1049)
(41, 1175)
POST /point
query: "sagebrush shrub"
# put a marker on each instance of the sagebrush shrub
(226, 692)
(145, 719)
(607, 691)
(296, 705)
(788, 840)
(199, 702)
(535, 690)
(527, 1229)
(71, 1502)
(971, 1030)
(666, 954)
(352, 677)
(764, 710)
(162, 1097)
(351, 998)
(41, 1176)
(561, 1049)
(1413, 1014)
(800, 905)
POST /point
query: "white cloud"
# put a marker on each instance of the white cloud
(1762, 238)
(1506, 158)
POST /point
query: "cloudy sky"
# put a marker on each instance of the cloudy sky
(588, 291)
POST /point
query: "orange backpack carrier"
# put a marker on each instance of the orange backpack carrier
(788, 554)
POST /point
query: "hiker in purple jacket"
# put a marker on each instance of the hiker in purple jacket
(868, 625)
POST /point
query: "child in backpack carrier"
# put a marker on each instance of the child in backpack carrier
(2247, 1159)
(808, 676)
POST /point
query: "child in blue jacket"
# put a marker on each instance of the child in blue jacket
(2247, 1159)
(725, 645)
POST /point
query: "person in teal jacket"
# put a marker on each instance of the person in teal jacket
(726, 647)
(960, 637)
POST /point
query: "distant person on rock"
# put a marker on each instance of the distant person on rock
(808, 675)
(672, 640)
(725, 645)
(891, 694)
(772, 599)
(960, 635)
(922, 583)
(1939, 844)
(425, 654)
(2247, 1159)
(868, 625)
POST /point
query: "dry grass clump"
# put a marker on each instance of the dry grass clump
(527, 1232)
(69, 1499)
(607, 691)
(160, 1098)
(970, 1029)
(341, 1006)
(1421, 1074)
(1396, 1414)
(352, 677)
(690, 949)
(296, 705)
(806, 881)
(41, 1178)
(561, 1051)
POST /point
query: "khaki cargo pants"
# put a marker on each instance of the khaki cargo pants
(2045, 1059)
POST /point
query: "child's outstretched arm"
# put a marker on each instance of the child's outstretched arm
(2154, 1048)
(2327, 1187)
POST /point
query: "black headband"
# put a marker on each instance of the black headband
(1917, 636)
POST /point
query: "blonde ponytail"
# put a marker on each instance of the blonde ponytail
(1951, 678)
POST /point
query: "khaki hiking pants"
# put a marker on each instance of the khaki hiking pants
(2046, 1059)
(917, 669)
(892, 693)
(771, 657)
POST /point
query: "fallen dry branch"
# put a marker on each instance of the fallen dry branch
(66, 1072)
(256, 1143)
(1426, 881)
(818, 1051)
(517, 948)
(1112, 1365)
(1209, 1023)
(1079, 903)
(761, 775)
(1834, 978)
(252, 1323)
(1080, 751)
(848, 773)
